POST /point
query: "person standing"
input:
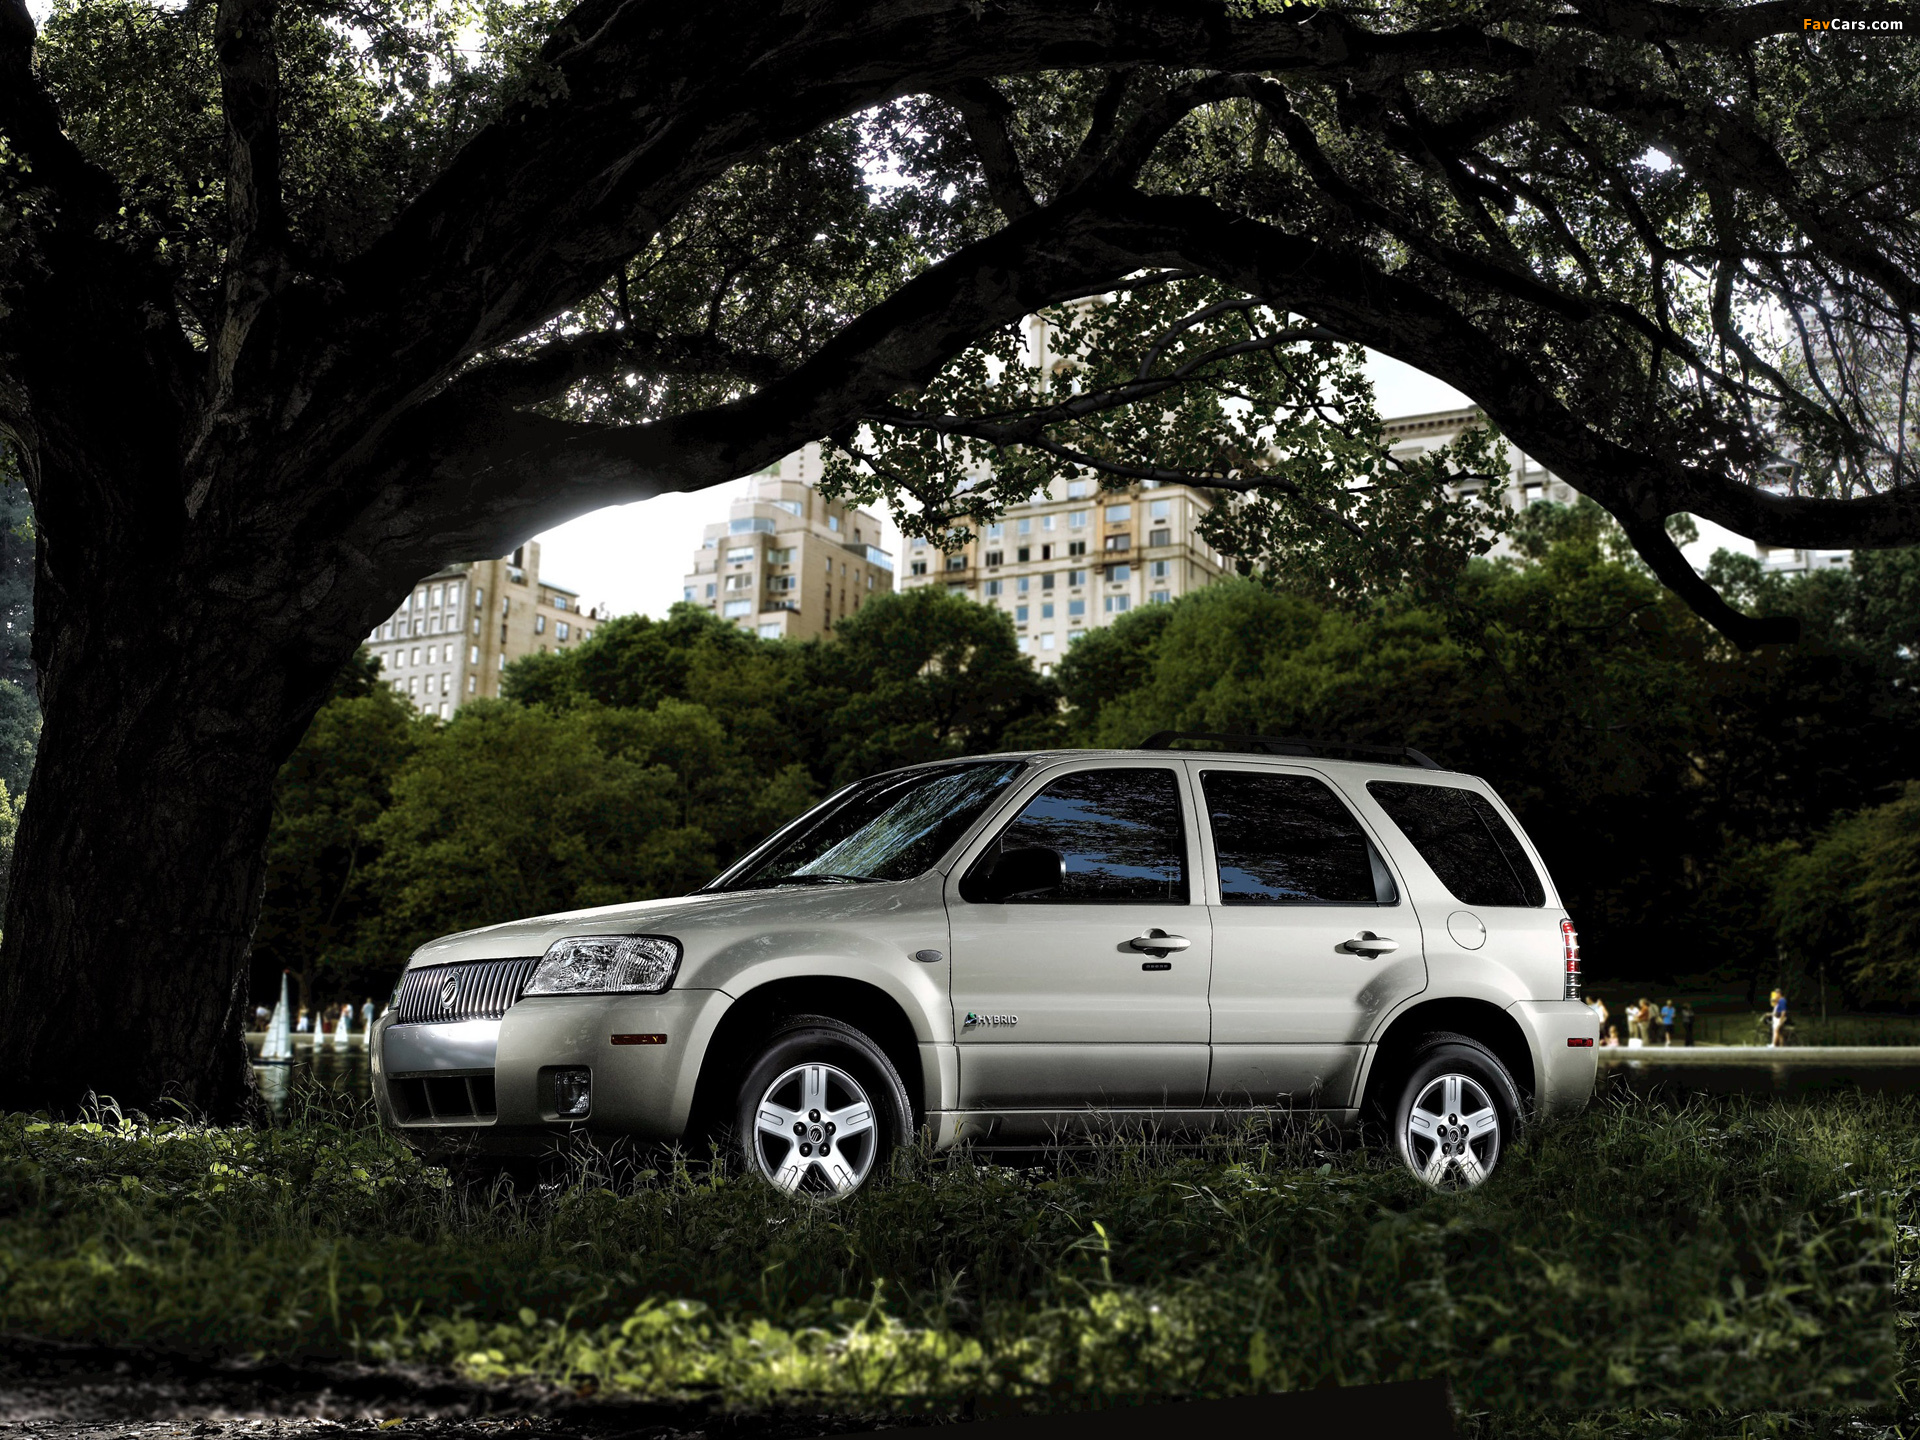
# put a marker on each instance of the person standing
(1600, 1015)
(1666, 1023)
(1779, 1017)
(1686, 1021)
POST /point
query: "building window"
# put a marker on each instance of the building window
(1046, 611)
(414, 658)
(1021, 584)
(1159, 537)
(1159, 569)
(559, 602)
(1046, 581)
(1076, 577)
(1119, 542)
(500, 662)
(1160, 509)
(1116, 604)
(506, 606)
(1019, 614)
(991, 589)
(994, 532)
(739, 557)
(560, 630)
(1026, 526)
(792, 507)
(1046, 522)
(783, 582)
(1077, 519)
(1046, 642)
(479, 597)
(918, 567)
(413, 685)
(770, 630)
(1023, 554)
(540, 622)
(453, 594)
(1076, 547)
(780, 557)
(1079, 489)
(919, 542)
(687, 594)
(473, 655)
(733, 609)
(1026, 642)
(956, 589)
(476, 624)
(1073, 635)
(833, 522)
(993, 557)
(1119, 514)
(954, 562)
(446, 684)
(709, 594)
(1117, 573)
(1159, 597)
(1076, 608)
(739, 582)
(473, 683)
(755, 526)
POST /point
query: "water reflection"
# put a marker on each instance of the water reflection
(1779, 1078)
(343, 1071)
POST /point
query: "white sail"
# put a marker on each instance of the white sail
(279, 1042)
(341, 1027)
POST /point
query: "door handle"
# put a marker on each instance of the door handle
(1369, 944)
(1159, 942)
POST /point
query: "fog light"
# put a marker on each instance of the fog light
(572, 1092)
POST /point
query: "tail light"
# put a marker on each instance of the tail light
(1570, 947)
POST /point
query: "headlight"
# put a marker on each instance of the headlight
(588, 964)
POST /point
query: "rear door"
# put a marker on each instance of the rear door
(1056, 1007)
(1313, 940)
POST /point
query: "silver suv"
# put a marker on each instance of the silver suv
(1014, 950)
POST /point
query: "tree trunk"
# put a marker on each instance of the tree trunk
(173, 686)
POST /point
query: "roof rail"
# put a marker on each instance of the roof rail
(1286, 745)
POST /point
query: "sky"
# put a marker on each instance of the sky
(631, 557)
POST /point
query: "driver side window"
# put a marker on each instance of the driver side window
(1118, 834)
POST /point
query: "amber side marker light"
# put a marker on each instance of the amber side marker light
(1580, 1042)
(639, 1039)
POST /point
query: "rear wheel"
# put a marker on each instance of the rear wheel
(820, 1109)
(1458, 1110)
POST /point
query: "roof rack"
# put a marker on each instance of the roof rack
(1286, 745)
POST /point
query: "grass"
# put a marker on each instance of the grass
(1725, 1267)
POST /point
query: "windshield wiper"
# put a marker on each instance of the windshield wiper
(824, 877)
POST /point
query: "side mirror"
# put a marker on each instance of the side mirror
(1026, 874)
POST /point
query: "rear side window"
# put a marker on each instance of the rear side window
(1470, 847)
(1289, 840)
(1118, 831)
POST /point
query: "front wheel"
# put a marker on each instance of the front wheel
(1458, 1112)
(820, 1109)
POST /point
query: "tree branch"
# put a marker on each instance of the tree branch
(985, 112)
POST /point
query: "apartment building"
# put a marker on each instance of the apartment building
(1075, 558)
(787, 563)
(451, 639)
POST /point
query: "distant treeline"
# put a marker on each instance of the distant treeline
(1700, 808)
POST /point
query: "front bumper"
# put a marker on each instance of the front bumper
(1563, 1074)
(487, 1085)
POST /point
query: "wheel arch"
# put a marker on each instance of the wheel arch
(753, 1017)
(1478, 1020)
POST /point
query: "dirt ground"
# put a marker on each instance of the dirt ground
(65, 1392)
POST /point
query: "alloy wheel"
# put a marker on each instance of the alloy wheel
(814, 1132)
(1453, 1133)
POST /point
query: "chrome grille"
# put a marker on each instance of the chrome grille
(483, 989)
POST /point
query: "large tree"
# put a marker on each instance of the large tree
(300, 300)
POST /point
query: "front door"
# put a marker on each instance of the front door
(1313, 939)
(1062, 997)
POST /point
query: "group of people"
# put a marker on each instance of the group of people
(1647, 1023)
(1650, 1024)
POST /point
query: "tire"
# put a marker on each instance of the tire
(820, 1109)
(1456, 1114)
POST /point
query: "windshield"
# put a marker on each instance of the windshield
(890, 828)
